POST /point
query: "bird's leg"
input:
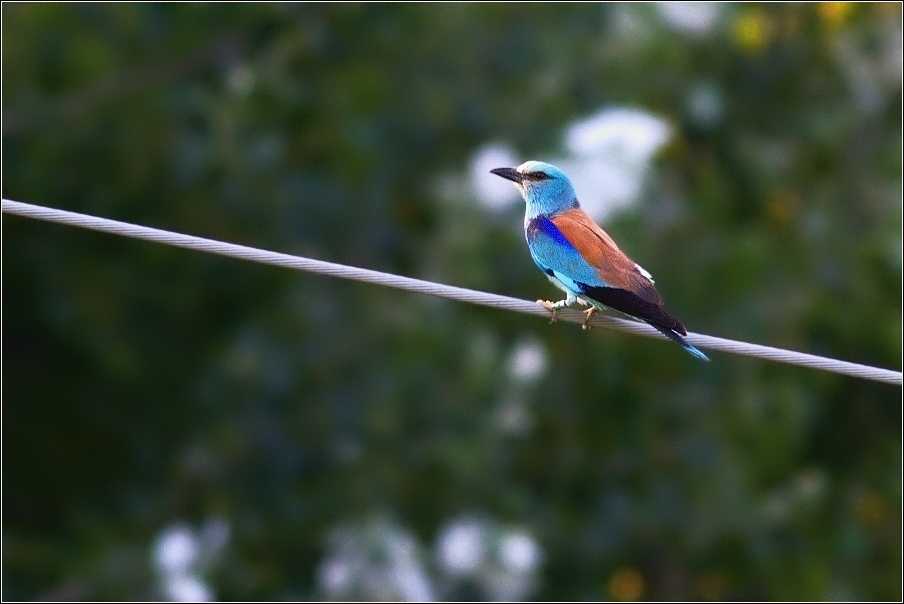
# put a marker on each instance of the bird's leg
(554, 307)
(589, 312)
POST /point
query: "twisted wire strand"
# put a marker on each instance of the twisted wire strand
(438, 289)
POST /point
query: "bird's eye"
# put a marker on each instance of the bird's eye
(540, 175)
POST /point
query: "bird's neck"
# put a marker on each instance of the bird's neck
(537, 206)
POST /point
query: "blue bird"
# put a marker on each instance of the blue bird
(580, 258)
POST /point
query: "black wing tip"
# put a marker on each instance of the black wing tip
(630, 303)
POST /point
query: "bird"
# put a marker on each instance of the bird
(580, 258)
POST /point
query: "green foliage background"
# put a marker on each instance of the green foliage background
(144, 385)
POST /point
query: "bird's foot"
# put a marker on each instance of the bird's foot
(552, 307)
(589, 312)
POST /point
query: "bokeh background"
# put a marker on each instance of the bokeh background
(179, 425)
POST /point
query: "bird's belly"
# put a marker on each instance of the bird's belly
(561, 285)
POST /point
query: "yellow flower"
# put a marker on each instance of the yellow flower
(626, 584)
(834, 13)
(751, 30)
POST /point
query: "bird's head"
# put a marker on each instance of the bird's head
(544, 187)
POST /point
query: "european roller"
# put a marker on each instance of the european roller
(580, 258)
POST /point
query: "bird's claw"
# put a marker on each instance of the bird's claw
(551, 307)
(589, 312)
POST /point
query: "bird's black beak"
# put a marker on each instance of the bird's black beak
(509, 173)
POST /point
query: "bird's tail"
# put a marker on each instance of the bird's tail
(681, 342)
